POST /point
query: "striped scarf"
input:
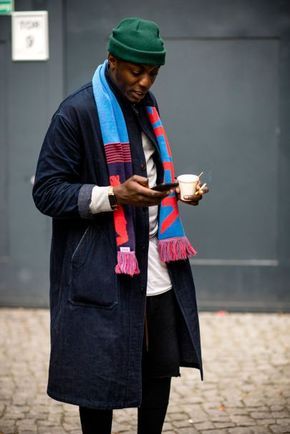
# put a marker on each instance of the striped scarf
(173, 245)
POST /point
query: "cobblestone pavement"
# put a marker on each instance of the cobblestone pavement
(246, 388)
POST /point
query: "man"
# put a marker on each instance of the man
(122, 297)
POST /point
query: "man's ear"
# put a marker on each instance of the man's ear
(112, 61)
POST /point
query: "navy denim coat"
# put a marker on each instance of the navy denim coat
(97, 316)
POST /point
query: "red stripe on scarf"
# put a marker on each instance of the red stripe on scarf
(120, 221)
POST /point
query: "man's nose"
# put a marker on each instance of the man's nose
(145, 81)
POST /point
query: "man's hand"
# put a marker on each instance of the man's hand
(135, 191)
(194, 200)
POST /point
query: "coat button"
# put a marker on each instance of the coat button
(143, 166)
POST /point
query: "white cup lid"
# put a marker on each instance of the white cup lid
(188, 178)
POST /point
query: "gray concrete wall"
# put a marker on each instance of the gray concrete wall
(224, 99)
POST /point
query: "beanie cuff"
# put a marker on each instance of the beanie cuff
(129, 54)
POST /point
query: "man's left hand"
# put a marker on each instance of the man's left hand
(193, 200)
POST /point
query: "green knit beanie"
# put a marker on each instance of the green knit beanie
(137, 41)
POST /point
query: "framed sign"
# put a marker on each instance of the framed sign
(30, 35)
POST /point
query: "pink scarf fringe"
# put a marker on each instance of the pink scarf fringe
(174, 249)
(127, 263)
(171, 249)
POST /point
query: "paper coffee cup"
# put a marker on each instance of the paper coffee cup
(187, 185)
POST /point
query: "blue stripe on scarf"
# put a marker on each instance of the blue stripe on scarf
(113, 126)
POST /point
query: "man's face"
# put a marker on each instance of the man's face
(132, 79)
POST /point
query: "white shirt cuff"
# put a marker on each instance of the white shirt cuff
(100, 200)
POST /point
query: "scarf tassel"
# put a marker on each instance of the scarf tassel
(127, 263)
(174, 249)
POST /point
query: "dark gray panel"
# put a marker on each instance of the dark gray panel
(3, 159)
(246, 288)
(88, 27)
(219, 100)
(284, 156)
(224, 97)
(33, 91)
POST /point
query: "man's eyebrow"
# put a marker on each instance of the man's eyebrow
(135, 65)
(144, 67)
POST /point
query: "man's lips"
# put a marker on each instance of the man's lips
(139, 94)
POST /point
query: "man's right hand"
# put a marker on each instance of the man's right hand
(135, 191)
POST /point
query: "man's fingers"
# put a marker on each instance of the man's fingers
(142, 187)
(194, 198)
(205, 190)
(140, 179)
(151, 194)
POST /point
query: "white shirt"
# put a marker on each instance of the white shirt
(158, 279)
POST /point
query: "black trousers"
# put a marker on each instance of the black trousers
(160, 363)
(151, 414)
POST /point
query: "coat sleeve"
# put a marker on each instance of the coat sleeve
(57, 191)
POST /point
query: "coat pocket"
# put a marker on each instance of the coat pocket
(93, 281)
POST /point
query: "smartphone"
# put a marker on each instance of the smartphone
(165, 187)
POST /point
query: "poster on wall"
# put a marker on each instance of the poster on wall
(30, 35)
